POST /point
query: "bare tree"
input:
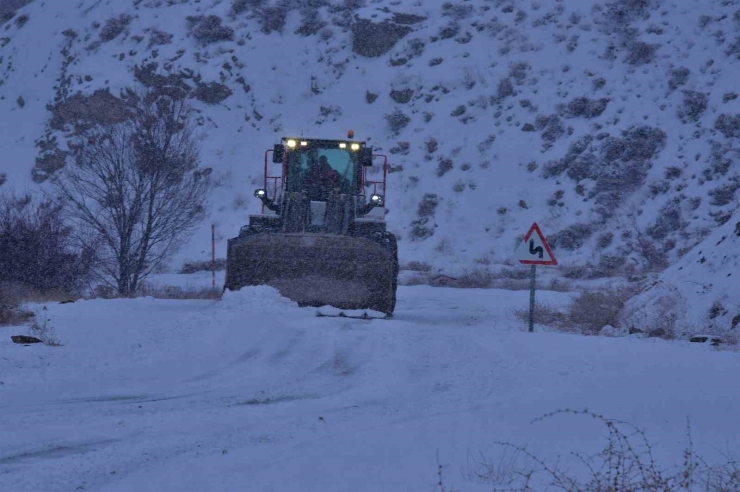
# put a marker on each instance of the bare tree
(135, 189)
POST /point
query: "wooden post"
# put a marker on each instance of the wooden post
(213, 255)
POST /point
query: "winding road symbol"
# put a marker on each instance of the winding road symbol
(534, 251)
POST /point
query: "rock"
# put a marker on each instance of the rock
(714, 340)
(735, 321)
(657, 333)
(633, 331)
(23, 339)
(610, 331)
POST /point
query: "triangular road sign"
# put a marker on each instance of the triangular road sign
(534, 249)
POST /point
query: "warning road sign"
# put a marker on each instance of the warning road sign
(534, 249)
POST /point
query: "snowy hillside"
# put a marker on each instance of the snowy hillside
(610, 123)
(697, 295)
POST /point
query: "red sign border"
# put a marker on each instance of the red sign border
(536, 228)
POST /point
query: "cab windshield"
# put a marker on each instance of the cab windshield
(322, 169)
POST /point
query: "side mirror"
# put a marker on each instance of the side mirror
(278, 154)
(366, 156)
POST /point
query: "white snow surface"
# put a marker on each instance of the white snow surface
(489, 197)
(254, 393)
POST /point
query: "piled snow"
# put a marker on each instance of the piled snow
(261, 298)
(513, 112)
(699, 293)
(154, 395)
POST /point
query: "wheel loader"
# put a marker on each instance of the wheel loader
(321, 238)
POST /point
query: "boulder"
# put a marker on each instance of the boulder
(714, 340)
(25, 340)
(610, 331)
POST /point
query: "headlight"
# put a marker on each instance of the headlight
(260, 193)
(355, 146)
(376, 199)
(342, 145)
(291, 143)
(304, 144)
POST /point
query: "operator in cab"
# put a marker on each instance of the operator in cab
(321, 180)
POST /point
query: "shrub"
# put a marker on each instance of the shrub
(585, 107)
(641, 53)
(37, 247)
(428, 205)
(208, 29)
(729, 125)
(202, 266)
(175, 292)
(311, 22)
(572, 237)
(475, 279)
(505, 88)
(694, 105)
(11, 297)
(626, 160)
(113, 27)
(42, 329)
(376, 39)
(159, 38)
(417, 266)
(444, 166)
(457, 11)
(723, 195)
(621, 13)
(591, 311)
(678, 77)
(626, 462)
(21, 20)
(239, 6)
(397, 121)
(604, 240)
(272, 19)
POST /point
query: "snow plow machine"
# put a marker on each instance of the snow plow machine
(321, 238)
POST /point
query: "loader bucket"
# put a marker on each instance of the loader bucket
(317, 270)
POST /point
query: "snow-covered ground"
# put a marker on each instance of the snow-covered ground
(253, 393)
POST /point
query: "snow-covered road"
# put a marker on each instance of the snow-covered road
(253, 393)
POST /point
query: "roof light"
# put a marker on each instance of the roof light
(351, 134)
(291, 143)
(355, 146)
(342, 145)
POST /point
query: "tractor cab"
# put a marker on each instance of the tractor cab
(324, 174)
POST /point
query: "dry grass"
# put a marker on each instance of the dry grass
(417, 266)
(545, 314)
(587, 314)
(625, 463)
(42, 329)
(181, 293)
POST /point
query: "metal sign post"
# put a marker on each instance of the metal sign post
(531, 299)
(534, 251)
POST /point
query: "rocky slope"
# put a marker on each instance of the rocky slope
(610, 123)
